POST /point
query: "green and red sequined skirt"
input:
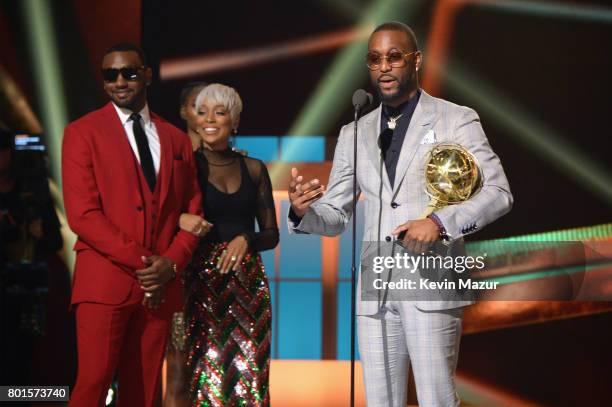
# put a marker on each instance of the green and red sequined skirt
(228, 329)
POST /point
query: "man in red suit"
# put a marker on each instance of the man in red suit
(127, 177)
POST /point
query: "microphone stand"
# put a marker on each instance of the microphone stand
(361, 99)
(353, 254)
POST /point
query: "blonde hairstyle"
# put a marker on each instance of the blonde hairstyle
(223, 95)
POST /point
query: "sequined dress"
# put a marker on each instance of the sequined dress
(228, 316)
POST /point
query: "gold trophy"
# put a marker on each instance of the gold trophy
(452, 175)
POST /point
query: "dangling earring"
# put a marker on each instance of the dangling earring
(231, 140)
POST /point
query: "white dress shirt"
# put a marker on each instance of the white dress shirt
(149, 129)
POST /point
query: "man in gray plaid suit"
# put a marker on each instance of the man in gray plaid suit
(393, 142)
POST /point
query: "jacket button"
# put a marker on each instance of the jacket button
(394, 205)
(139, 208)
(388, 238)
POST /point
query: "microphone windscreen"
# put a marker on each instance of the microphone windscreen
(361, 99)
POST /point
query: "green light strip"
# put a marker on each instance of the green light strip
(603, 231)
(586, 233)
(517, 278)
(42, 45)
(540, 241)
(530, 132)
(47, 74)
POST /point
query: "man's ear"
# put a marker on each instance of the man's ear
(418, 60)
(182, 113)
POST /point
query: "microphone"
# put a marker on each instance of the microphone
(361, 99)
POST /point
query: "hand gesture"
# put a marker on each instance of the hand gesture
(302, 195)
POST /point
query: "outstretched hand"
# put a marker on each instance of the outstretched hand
(302, 195)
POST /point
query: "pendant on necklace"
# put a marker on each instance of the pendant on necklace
(392, 122)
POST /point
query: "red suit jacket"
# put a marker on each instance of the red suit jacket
(104, 206)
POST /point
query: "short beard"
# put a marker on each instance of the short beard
(410, 83)
(402, 89)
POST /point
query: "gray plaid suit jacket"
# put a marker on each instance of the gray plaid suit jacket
(434, 120)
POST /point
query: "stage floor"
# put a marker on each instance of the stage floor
(326, 383)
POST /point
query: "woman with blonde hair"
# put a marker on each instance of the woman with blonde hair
(227, 311)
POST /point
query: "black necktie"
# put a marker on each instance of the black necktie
(146, 160)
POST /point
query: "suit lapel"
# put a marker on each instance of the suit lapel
(371, 131)
(166, 157)
(419, 124)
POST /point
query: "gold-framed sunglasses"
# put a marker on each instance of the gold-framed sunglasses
(395, 59)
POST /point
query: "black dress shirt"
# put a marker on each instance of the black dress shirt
(391, 140)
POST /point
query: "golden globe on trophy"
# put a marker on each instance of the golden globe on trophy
(452, 175)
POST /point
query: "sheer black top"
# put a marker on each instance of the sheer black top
(237, 191)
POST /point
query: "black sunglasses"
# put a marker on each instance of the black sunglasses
(128, 73)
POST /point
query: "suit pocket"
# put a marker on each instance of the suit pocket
(97, 279)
